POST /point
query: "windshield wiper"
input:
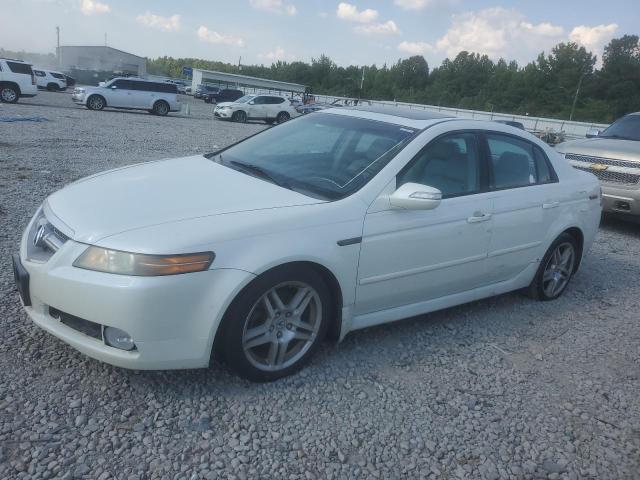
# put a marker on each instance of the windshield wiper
(258, 171)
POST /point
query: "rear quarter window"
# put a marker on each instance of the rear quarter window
(23, 68)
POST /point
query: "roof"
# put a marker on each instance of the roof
(103, 47)
(408, 117)
(252, 81)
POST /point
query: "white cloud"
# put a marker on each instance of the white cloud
(386, 28)
(91, 7)
(277, 54)
(593, 38)
(274, 6)
(166, 24)
(415, 48)
(209, 36)
(412, 4)
(350, 13)
(498, 32)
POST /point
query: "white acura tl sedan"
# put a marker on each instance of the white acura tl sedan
(332, 222)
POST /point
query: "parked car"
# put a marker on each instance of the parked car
(70, 81)
(203, 89)
(313, 107)
(50, 80)
(224, 95)
(614, 157)
(511, 123)
(187, 91)
(158, 98)
(329, 223)
(270, 108)
(16, 80)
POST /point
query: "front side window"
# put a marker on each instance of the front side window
(451, 164)
(512, 160)
(260, 100)
(122, 84)
(318, 154)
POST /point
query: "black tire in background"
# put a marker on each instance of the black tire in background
(52, 87)
(240, 116)
(238, 317)
(9, 94)
(552, 269)
(161, 108)
(96, 102)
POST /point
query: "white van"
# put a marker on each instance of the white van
(50, 80)
(16, 80)
(159, 98)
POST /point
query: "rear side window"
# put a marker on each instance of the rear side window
(39, 73)
(274, 100)
(23, 68)
(57, 75)
(513, 162)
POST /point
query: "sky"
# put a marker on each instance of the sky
(353, 32)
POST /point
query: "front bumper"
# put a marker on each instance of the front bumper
(79, 98)
(172, 319)
(220, 113)
(620, 199)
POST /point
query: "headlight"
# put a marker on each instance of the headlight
(140, 264)
(226, 107)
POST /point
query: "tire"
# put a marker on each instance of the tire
(556, 269)
(9, 94)
(239, 116)
(52, 87)
(161, 108)
(263, 336)
(96, 102)
(283, 117)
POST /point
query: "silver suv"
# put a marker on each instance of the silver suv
(16, 80)
(614, 157)
(159, 98)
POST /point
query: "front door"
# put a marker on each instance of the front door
(120, 96)
(411, 256)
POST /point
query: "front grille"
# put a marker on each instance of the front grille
(81, 325)
(613, 177)
(603, 161)
(43, 239)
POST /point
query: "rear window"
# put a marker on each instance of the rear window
(17, 67)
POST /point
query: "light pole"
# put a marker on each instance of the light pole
(575, 97)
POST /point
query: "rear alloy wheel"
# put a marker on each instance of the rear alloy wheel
(282, 117)
(556, 269)
(161, 108)
(95, 102)
(8, 94)
(276, 323)
(239, 116)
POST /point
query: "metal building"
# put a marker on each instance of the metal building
(245, 82)
(100, 59)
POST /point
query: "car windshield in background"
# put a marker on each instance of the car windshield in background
(627, 128)
(245, 99)
(321, 155)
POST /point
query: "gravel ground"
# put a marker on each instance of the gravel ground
(501, 388)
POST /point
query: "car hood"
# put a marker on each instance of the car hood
(603, 147)
(162, 192)
(228, 104)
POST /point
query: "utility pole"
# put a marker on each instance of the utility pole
(58, 46)
(105, 39)
(575, 98)
(240, 64)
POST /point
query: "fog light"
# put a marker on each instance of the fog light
(114, 337)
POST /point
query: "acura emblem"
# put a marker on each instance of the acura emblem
(38, 239)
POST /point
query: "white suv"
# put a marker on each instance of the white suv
(16, 80)
(50, 80)
(270, 108)
(159, 98)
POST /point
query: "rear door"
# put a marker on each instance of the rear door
(525, 203)
(258, 107)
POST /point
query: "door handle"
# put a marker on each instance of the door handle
(549, 205)
(479, 217)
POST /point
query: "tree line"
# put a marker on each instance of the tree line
(544, 87)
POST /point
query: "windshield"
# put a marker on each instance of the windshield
(626, 128)
(321, 155)
(244, 99)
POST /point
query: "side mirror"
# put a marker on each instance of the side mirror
(252, 102)
(593, 132)
(414, 196)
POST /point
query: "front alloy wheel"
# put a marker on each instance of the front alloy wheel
(8, 94)
(276, 323)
